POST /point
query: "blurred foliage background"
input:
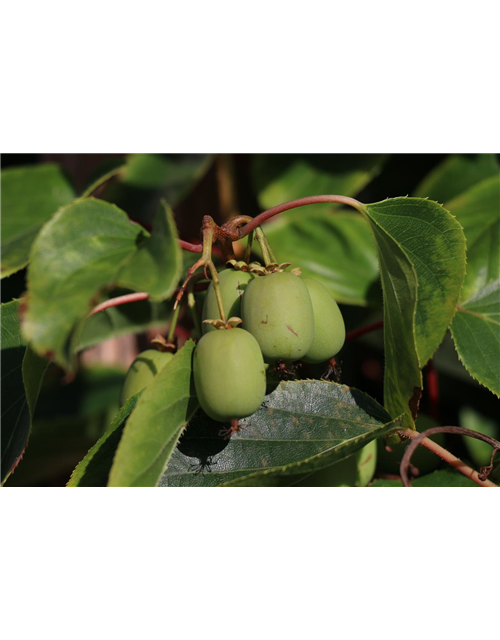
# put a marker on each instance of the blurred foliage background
(73, 413)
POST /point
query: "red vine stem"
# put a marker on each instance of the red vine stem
(293, 204)
(119, 300)
(362, 330)
(188, 246)
(444, 454)
(136, 297)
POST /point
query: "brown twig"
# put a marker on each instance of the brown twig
(421, 438)
(484, 472)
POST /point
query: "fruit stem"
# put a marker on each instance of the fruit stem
(173, 325)
(444, 454)
(267, 253)
(218, 297)
(248, 252)
(191, 301)
(271, 253)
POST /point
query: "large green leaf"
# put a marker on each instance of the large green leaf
(30, 196)
(93, 470)
(278, 178)
(154, 427)
(301, 426)
(476, 332)
(337, 250)
(157, 265)
(421, 251)
(22, 374)
(456, 174)
(478, 211)
(78, 253)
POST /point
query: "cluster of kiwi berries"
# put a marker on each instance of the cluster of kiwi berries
(284, 318)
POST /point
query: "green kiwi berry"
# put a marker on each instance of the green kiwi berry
(329, 328)
(277, 310)
(229, 374)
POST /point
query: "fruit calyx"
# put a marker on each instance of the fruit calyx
(272, 267)
(162, 345)
(232, 323)
(238, 265)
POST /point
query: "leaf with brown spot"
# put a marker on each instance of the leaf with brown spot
(414, 402)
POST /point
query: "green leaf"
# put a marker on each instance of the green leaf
(125, 319)
(421, 251)
(456, 174)
(337, 250)
(302, 426)
(30, 196)
(22, 374)
(476, 332)
(478, 211)
(479, 451)
(278, 178)
(153, 429)
(78, 253)
(157, 265)
(94, 469)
